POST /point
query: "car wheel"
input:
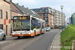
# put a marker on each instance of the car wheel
(4, 37)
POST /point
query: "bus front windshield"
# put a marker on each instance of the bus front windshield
(21, 24)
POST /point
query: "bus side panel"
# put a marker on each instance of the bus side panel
(37, 31)
(43, 30)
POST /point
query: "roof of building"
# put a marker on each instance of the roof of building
(12, 8)
(26, 11)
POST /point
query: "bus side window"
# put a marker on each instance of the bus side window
(33, 25)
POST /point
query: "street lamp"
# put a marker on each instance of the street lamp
(61, 16)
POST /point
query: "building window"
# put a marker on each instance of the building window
(0, 13)
(40, 11)
(45, 14)
(40, 14)
(1, 26)
(6, 15)
(46, 10)
(51, 11)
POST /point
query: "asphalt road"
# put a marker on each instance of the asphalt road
(40, 42)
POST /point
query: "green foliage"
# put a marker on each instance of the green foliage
(32, 27)
(67, 36)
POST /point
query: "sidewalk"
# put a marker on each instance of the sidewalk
(56, 44)
(8, 36)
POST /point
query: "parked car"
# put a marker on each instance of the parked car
(60, 27)
(48, 28)
(2, 35)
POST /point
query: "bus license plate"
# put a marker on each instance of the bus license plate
(20, 35)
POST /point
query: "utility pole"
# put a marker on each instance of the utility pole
(62, 16)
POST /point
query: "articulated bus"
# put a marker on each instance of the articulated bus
(27, 26)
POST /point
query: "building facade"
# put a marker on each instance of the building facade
(60, 21)
(51, 16)
(5, 16)
(47, 14)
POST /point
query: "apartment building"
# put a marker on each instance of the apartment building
(59, 20)
(63, 19)
(47, 14)
(56, 18)
(5, 16)
(52, 18)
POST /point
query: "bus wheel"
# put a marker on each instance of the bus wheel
(33, 36)
(40, 33)
(43, 33)
(19, 37)
(34, 33)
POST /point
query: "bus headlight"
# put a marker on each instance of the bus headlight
(28, 32)
(13, 33)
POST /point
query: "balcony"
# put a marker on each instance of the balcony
(46, 21)
(45, 16)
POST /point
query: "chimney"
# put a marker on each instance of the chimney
(22, 5)
(17, 3)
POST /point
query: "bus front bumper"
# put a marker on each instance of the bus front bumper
(15, 35)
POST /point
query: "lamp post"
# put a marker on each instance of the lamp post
(61, 16)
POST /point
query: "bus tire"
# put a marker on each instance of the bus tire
(18, 37)
(34, 33)
(33, 36)
(40, 32)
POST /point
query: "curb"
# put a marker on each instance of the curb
(50, 46)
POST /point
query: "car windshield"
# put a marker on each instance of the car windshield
(47, 27)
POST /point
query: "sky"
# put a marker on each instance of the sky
(68, 5)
